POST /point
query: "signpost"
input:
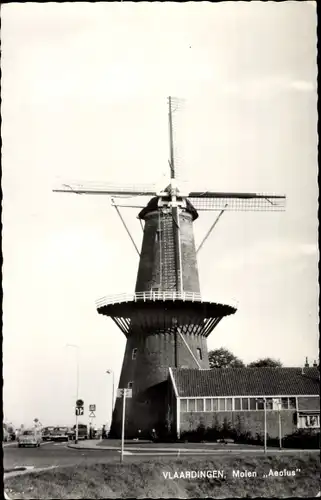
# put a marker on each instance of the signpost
(92, 409)
(125, 393)
(79, 410)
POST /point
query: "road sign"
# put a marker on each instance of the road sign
(92, 407)
(92, 415)
(79, 402)
(79, 410)
(128, 393)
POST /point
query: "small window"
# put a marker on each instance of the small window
(157, 235)
(276, 403)
(252, 404)
(285, 403)
(191, 404)
(199, 405)
(260, 404)
(215, 404)
(237, 404)
(208, 405)
(130, 385)
(199, 353)
(269, 403)
(222, 404)
(184, 405)
(309, 421)
(229, 404)
(245, 404)
(292, 403)
(134, 353)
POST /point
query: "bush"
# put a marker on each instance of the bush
(301, 439)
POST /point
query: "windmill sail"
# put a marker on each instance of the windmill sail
(209, 200)
(107, 189)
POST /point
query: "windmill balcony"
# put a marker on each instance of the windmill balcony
(151, 296)
(161, 311)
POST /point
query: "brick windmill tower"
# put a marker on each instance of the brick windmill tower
(166, 322)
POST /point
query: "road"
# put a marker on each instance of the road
(59, 454)
(53, 454)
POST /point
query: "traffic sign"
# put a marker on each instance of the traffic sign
(92, 407)
(79, 402)
(79, 410)
(92, 415)
(127, 392)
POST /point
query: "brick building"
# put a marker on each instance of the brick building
(235, 395)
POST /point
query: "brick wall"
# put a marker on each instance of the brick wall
(157, 266)
(251, 421)
(156, 352)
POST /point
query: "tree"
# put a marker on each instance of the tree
(223, 358)
(270, 362)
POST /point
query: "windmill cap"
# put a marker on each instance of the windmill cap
(152, 206)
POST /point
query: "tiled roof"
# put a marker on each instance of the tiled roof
(247, 382)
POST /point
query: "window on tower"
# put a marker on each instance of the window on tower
(130, 385)
(199, 353)
(134, 353)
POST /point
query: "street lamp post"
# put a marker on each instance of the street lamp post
(111, 372)
(77, 385)
(265, 433)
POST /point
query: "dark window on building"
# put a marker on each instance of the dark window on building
(252, 404)
(215, 404)
(221, 403)
(134, 353)
(260, 404)
(285, 403)
(292, 403)
(199, 405)
(208, 405)
(245, 403)
(237, 404)
(183, 405)
(269, 403)
(130, 385)
(191, 404)
(199, 353)
(229, 404)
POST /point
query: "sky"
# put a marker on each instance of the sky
(84, 97)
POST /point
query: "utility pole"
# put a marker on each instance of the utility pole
(111, 372)
(265, 433)
(123, 426)
(77, 386)
(280, 426)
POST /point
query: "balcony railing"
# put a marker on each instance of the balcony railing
(151, 296)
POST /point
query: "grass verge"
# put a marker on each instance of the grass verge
(146, 479)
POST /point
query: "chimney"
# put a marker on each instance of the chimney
(306, 363)
(315, 364)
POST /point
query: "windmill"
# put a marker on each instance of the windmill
(166, 321)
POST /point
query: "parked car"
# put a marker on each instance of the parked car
(60, 434)
(82, 432)
(30, 437)
(47, 433)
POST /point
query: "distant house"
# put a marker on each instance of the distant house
(236, 395)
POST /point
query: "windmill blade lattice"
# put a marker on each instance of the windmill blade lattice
(237, 202)
(104, 188)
